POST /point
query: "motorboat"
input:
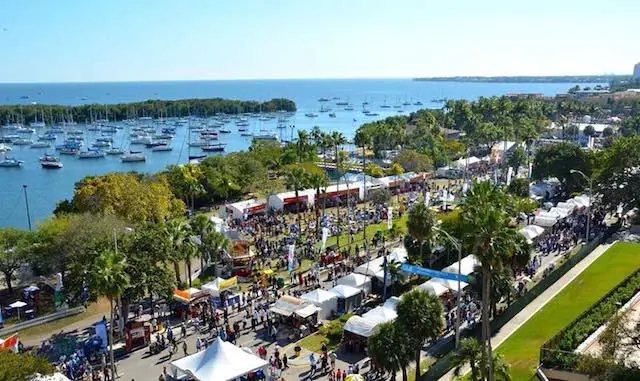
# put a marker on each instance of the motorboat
(311, 115)
(115, 151)
(69, 150)
(162, 148)
(5, 148)
(10, 162)
(225, 131)
(418, 103)
(198, 143)
(405, 103)
(324, 109)
(265, 135)
(22, 142)
(100, 144)
(141, 140)
(324, 99)
(332, 115)
(219, 147)
(242, 129)
(40, 145)
(91, 154)
(50, 162)
(348, 108)
(133, 158)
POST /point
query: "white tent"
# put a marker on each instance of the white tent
(566, 206)
(392, 302)
(287, 305)
(356, 281)
(307, 311)
(323, 299)
(433, 287)
(221, 361)
(343, 292)
(279, 200)
(560, 213)
(349, 298)
(376, 266)
(359, 326)
(467, 264)
(584, 200)
(380, 314)
(248, 207)
(51, 377)
(545, 219)
(531, 232)
(215, 286)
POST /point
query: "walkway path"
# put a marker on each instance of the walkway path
(539, 302)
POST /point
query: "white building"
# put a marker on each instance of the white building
(636, 71)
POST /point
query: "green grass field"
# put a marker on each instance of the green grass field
(522, 348)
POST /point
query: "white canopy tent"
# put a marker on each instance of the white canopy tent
(531, 232)
(376, 266)
(433, 287)
(349, 297)
(569, 207)
(545, 219)
(380, 314)
(323, 299)
(221, 361)
(356, 281)
(279, 200)
(359, 326)
(288, 305)
(560, 213)
(246, 207)
(467, 264)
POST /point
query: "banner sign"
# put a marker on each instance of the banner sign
(291, 258)
(434, 273)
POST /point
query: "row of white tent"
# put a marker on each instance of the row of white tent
(560, 211)
(353, 184)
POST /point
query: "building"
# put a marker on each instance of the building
(636, 71)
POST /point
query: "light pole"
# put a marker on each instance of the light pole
(590, 182)
(26, 201)
(458, 246)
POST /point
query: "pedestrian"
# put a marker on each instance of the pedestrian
(184, 348)
(198, 344)
(312, 364)
(285, 361)
(332, 359)
(274, 333)
(183, 330)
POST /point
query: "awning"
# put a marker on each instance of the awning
(307, 311)
(287, 305)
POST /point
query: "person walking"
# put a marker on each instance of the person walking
(184, 348)
(312, 364)
(332, 360)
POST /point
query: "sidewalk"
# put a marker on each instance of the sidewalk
(539, 302)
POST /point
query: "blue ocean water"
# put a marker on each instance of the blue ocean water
(47, 187)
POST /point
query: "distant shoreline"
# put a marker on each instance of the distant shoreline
(530, 79)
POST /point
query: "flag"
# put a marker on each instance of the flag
(10, 343)
(325, 236)
(389, 218)
(291, 257)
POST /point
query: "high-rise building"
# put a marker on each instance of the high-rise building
(636, 71)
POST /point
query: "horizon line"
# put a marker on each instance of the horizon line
(299, 79)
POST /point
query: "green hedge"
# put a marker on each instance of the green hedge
(558, 351)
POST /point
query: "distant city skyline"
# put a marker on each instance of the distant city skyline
(165, 40)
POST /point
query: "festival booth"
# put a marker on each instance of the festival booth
(531, 232)
(356, 333)
(434, 288)
(467, 265)
(383, 313)
(247, 208)
(184, 301)
(137, 334)
(370, 182)
(467, 162)
(221, 291)
(545, 219)
(355, 280)
(221, 361)
(240, 257)
(375, 268)
(50, 377)
(545, 189)
(296, 314)
(323, 299)
(287, 201)
(341, 191)
(349, 298)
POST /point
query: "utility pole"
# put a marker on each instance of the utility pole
(26, 201)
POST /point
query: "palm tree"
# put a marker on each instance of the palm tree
(336, 140)
(175, 232)
(296, 180)
(318, 180)
(201, 225)
(316, 135)
(215, 243)
(491, 239)
(389, 349)
(302, 144)
(501, 368)
(469, 350)
(421, 226)
(109, 278)
(420, 314)
(188, 250)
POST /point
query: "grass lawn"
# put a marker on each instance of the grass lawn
(330, 334)
(101, 307)
(522, 348)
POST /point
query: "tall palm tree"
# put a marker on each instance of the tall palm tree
(109, 278)
(490, 238)
(363, 140)
(296, 179)
(201, 225)
(389, 349)
(318, 180)
(215, 243)
(302, 145)
(316, 135)
(421, 226)
(175, 231)
(336, 140)
(469, 351)
(188, 250)
(420, 314)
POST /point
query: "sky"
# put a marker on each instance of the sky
(145, 40)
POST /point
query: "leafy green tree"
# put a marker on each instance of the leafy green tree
(176, 234)
(489, 236)
(14, 247)
(110, 279)
(516, 159)
(22, 366)
(615, 181)
(374, 170)
(302, 145)
(215, 244)
(519, 187)
(607, 132)
(201, 225)
(389, 348)
(557, 161)
(469, 351)
(337, 140)
(589, 131)
(185, 182)
(380, 196)
(421, 226)
(420, 314)
(571, 131)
